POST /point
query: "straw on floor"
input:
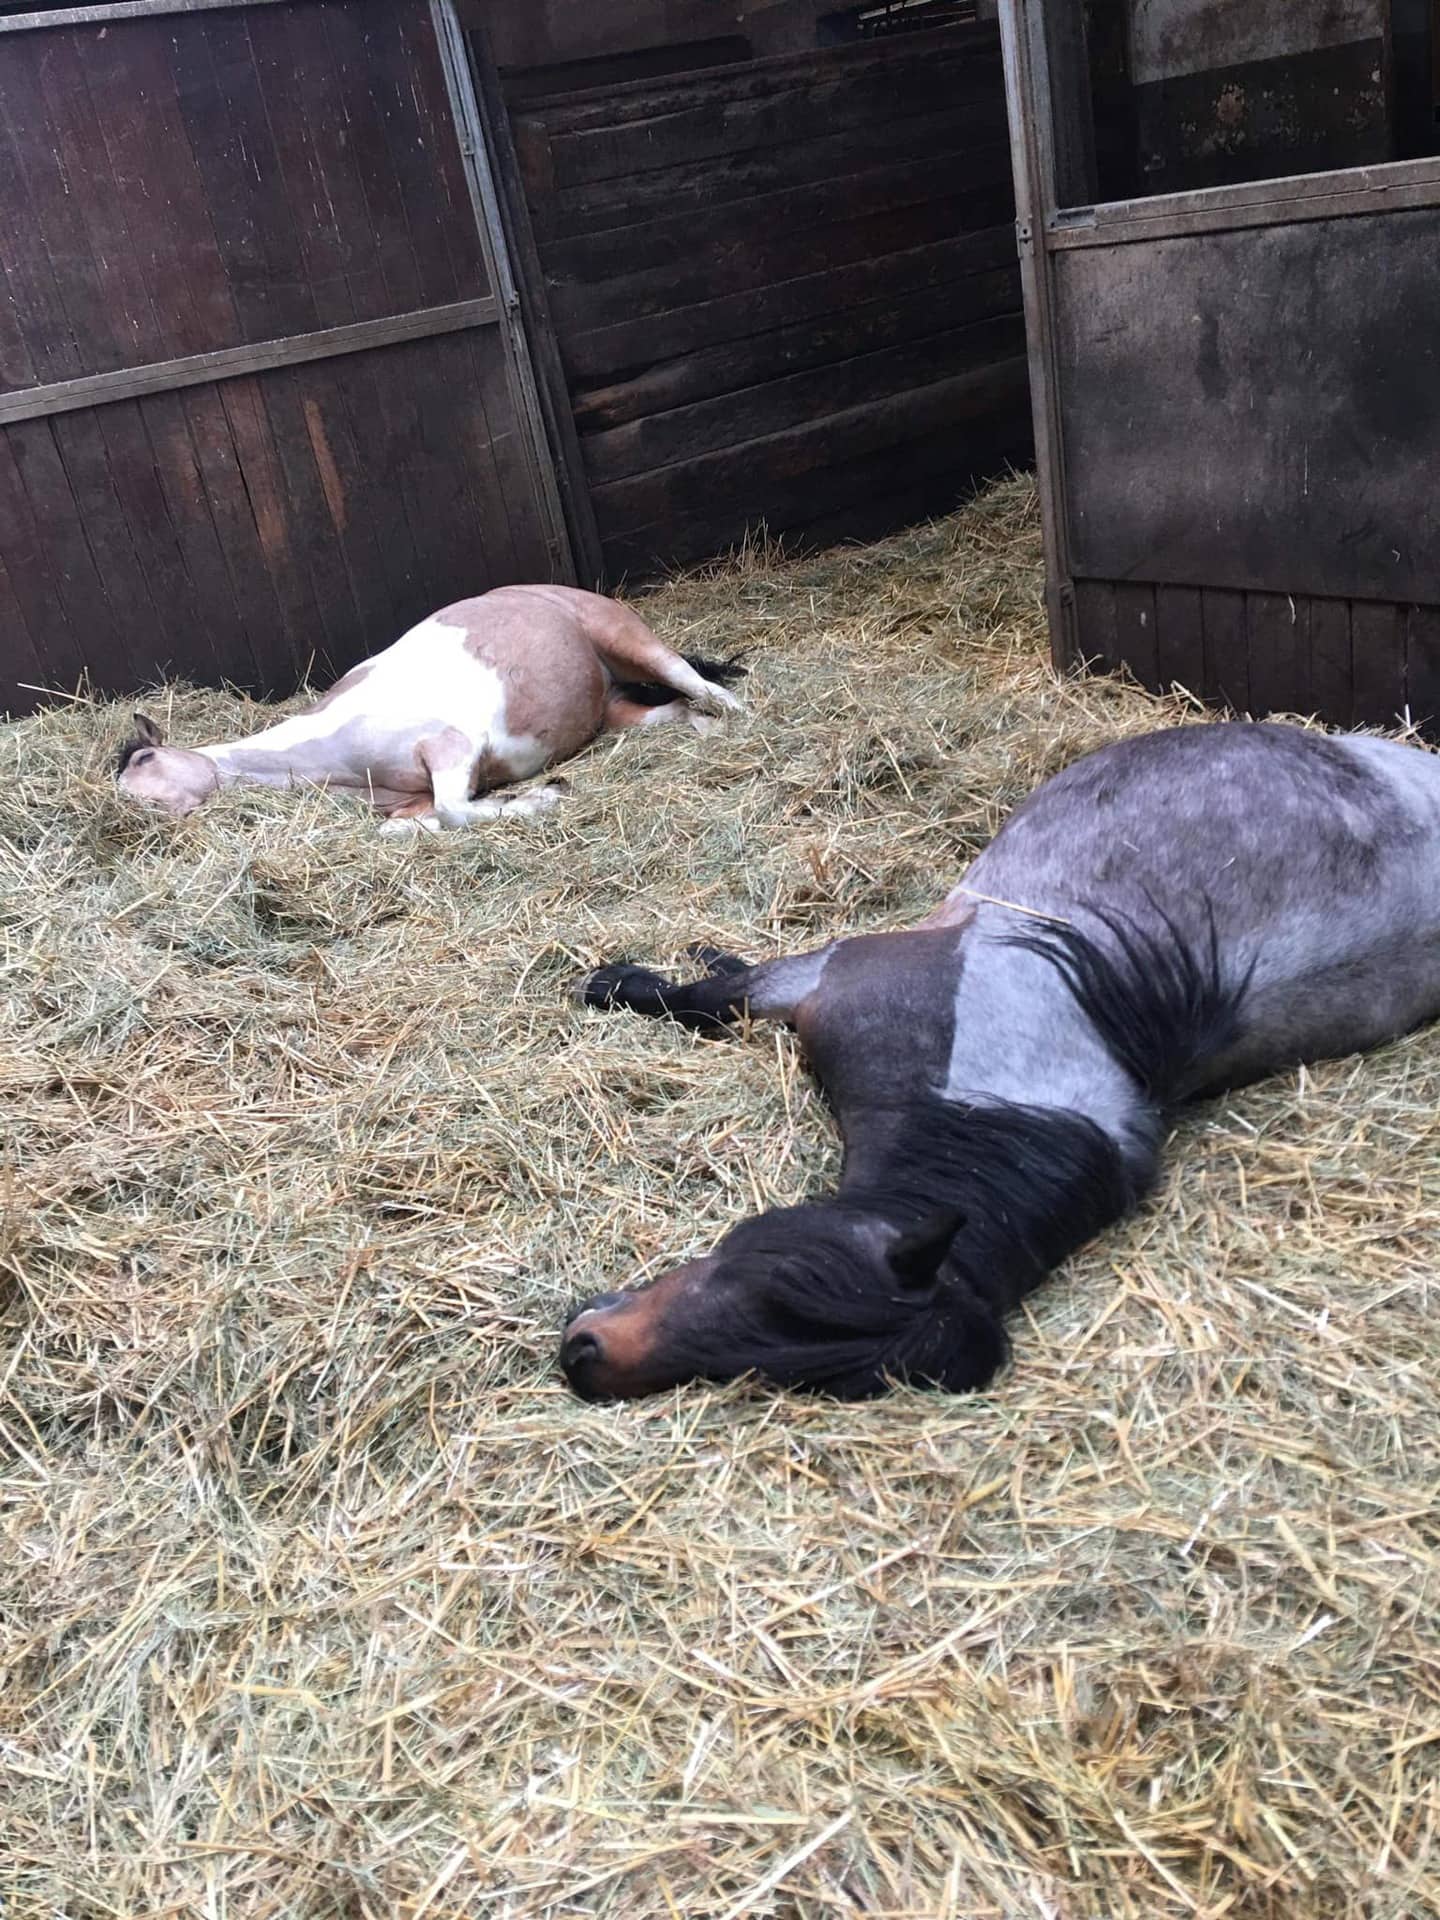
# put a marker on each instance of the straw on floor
(319, 1595)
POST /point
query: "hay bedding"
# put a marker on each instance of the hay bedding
(322, 1598)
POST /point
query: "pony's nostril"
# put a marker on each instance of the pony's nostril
(579, 1348)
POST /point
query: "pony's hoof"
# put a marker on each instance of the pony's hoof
(409, 829)
(613, 986)
(716, 700)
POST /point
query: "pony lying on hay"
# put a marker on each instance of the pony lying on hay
(1171, 916)
(482, 694)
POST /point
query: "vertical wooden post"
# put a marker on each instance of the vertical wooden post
(479, 174)
(1032, 144)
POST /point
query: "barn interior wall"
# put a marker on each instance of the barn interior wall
(785, 291)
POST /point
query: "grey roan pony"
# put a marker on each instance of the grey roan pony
(1170, 916)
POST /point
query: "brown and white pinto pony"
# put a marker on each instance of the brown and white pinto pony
(1168, 917)
(480, 695)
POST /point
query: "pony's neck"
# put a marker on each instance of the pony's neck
(1033, 1184)
(274, 757)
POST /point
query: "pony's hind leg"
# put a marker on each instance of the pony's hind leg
(729, 990)
(622, 712)
(634, 654)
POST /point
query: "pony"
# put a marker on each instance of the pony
(1169, 917)
(480, 695)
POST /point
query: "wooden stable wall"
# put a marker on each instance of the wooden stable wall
(1238, 420)
(256, 413)
(784, 291)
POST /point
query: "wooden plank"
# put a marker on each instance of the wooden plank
(60, 314)
(1277, 651)
(1377, 639)
(661, 266)
(892, 276)
(830, 443)
(1179, 639)
(1227, 649)
(551, 387)
(217, 647)
(544, 492)
(773, 404)
(1255, 443)
(122, 10)
(937, 139)
(230, 363)
(1422, 668)
(1135, 631)
(158, 193)
(223, 117)
(22, 664)
(792, 483)
(891, 323)
(1332, 680)
(51, 571)
(644, 99)
(723, 125)
(1096, 633)
(1235, 209)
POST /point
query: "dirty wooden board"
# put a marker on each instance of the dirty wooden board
(215, 181)
(781, 289)
(1284, 440)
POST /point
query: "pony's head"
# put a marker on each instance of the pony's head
(175, 779)
(831, 1297)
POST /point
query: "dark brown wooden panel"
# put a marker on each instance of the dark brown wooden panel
(770, 406)
(205, 182)
(1257, 408)
(726, 124)
(1135, 634)
(1180, 639)
(1332, 674)
(645, 348)
(877, 209)
(778, 287)
(1277, 653)
(1096, 641)
(1227, 649)
(1377, 641)
(977, 303)
(1351, 663)
(1422, 668)
(966, 427)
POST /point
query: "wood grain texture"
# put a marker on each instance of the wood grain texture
(784, 291)
(202, 206)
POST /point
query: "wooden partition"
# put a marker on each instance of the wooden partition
(260, 407)
(785, 291)
(1238, 416)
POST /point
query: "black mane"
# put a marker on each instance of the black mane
(811, 1300)
(128, 752)
(1162, 1006)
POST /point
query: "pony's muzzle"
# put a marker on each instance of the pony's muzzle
(582, 1347)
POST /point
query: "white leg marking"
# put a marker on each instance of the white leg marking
(408, 829)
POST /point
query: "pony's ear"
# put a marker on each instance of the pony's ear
(915, 1257)
(146, 731)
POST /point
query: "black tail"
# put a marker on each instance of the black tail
(650, 693)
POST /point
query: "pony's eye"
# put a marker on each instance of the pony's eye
(139, 759)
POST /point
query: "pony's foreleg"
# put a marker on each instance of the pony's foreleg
(728, 991)
(632, 652)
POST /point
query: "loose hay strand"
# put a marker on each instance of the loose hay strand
(320, 1597)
